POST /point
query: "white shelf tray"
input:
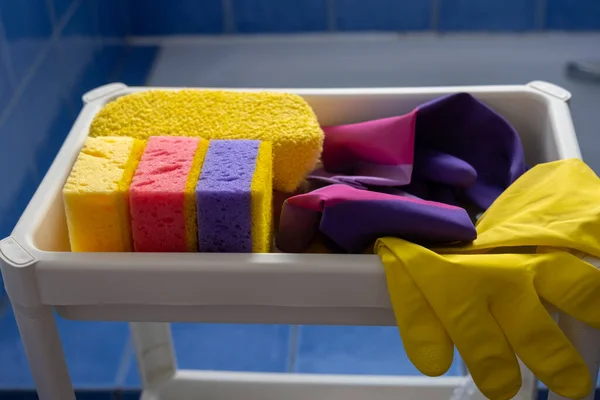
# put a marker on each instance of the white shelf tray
(248, 288)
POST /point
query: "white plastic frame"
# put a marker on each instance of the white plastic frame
(41, 274)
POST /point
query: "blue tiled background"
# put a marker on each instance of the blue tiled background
(53, 51)
(161, 17)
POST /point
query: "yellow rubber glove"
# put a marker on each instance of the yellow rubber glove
(486, 297)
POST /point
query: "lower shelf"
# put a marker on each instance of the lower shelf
(189, 384)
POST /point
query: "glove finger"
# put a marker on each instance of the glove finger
(540, 344)
(484, 349)
(427, 344)
(572, 285)
(444, 168)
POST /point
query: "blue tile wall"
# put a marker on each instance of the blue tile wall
(98, 18)
(6, 81)
(370, 350)
(136, 67)
(27, 29)
(573, 15)
(93, 351)
(229, 347)
(113, 18)
(487, 15)
(251, 16)
(59, 9)
(382, 15)
(184, 17)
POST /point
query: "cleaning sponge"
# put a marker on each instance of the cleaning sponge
(96, 194)
(234, 197)
(162, 195)
(283, 119)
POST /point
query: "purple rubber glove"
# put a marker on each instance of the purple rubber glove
(353, 219)
(461, 126)
(463, 150)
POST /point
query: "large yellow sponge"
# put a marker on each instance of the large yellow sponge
(96, 194)
(283, 119)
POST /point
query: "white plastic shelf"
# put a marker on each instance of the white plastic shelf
(42, 275)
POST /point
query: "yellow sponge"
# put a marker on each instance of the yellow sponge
(261, 200)
(96, 194)
(283, 119)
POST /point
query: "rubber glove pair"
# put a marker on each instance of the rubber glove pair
(449, 149)
(486, 298)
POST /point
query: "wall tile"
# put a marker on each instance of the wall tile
(27, 28)
(37, 111)
(59, 8)
(93, 351)
(106, 18)
(573, 15)
(41, 118)
(487, 15)
(83, 22)
(99, 71)
(137, 65)
(6, 84)
(355, 350)
(18, 187)
(113, 18)
(279, 16)
(382, 15)
(184, 17)
(230, 347)
(24, 130)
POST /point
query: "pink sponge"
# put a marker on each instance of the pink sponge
(162, 198)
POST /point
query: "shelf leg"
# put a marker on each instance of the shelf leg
(154, 352)
(44, 352)
(36, 323)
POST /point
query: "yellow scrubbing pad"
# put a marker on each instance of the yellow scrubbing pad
(96, 194)
(189, 197)
(261, 200)
(283, 119)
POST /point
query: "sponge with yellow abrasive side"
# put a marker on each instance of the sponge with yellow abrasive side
(283, 119)
(162, 197)
(96, 194)
(234, 197)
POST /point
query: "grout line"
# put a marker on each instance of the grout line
(294, 348)
(37, 63)
(228, 16)
(540, 14)
(52, 13)
(126, 358)
(65, 18)
(434, 21)
(331, 16)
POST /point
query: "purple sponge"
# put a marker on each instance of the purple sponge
(223, 196)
